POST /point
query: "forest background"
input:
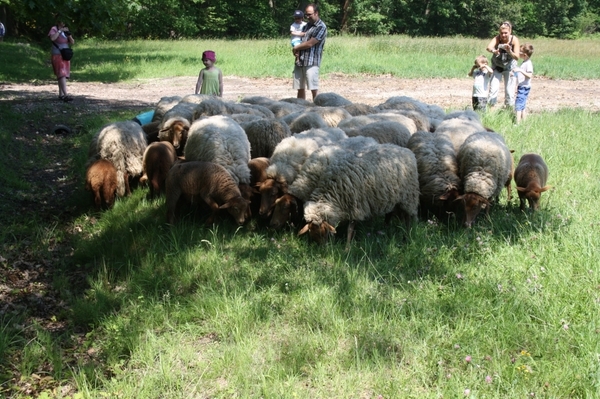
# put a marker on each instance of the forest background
(194, 19)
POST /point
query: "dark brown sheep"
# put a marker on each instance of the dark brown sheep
(531, 175)
(159, 157)
(195, 181)
(101, 180)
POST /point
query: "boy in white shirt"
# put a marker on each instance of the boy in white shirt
(524, 74)
(296, 32)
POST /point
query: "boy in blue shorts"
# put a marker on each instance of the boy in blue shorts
(524, 74)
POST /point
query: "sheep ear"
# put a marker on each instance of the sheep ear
(329, 227)
(304, 229)
(225, 205)
(545, 188)
(521, 189)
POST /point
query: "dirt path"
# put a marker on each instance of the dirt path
(546, 94)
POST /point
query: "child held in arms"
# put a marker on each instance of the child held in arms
(210, 79)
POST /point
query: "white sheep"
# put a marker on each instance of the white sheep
(485, 167)
(123, 144)
(164, 104)
(331, 115)
(301, 121)
(221, 140)
(384, 132)
(287, 160)
(360, 121)
(259, 100)
(330, 100)
(181, 110)
(264, 135)
(466, 114)
(283, 108)
(457, 130)
(381, 180)
(356, 109)
(438, 172)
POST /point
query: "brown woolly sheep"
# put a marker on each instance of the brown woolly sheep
(195, 181)
(175, 131)
(531, 175)
(158, 159)
(101, 180)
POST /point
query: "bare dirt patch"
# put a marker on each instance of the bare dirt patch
(546, 94)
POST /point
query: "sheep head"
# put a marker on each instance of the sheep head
(238, 208)
(472, 204)
(532, 194)
(270, 190)
(285, 209)
(175, 131)
(318, 232)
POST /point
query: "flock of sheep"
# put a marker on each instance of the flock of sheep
(314, 165)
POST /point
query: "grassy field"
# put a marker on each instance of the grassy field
(507, 309)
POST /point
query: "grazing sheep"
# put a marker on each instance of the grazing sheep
(485, 167)
(531, 176)
(101, 180)
(302, 121)
(288, 206)
(421, 120)
(259, 100)
(210, 107)
(152, 130)
(164, 104)
(258, 174)
(384, 132)
(180, 111)
(221, 140)
(438, 172)
(330, 100)
(331, 115)
(158, 159)
(381, 180)
(467, 115)
(298, 101)
(282, 108)
(264, 135)
(195, 98)
(175, 131)
(287, 160)
(242, 118)
(356, 109)
(357, 122)
(123, 144)
(196, 181)
(402, 103)
(457, 130)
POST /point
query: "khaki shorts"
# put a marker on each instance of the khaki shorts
(306, 77)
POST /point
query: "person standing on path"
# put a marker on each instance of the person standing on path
(505, 53)
(210, 79)
(61, 38)
(310, 52)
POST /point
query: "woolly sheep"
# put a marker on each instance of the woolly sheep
(221, 140)
(331, 115)
(242, 118)
(356, 109)
(164, 104)
(158, 159)
(181, 110)
(123, 144)
(531, 175)
(467, 115)
(330, 100)
(175, 131)
(212, 106)
(298, 101)
(384, 132)
(195, 98)
(301, 121)
(438, 172)
(381, 180)
(101, 180)
(287, 160)
(282, 108)
(194, 181)
(485, 167)
(287, 206)
(357, 122)
(457, 130)
(259, 100)
(264, 135)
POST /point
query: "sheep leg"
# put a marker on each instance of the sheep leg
(349, 234)
(215, 210)
(126, 180)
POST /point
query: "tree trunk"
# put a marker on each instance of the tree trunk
(346, 15)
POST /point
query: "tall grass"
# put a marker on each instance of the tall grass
(400, 56)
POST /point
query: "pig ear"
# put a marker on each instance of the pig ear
(546, 188)
(304, 229)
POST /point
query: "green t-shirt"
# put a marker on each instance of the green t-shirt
(210, 82)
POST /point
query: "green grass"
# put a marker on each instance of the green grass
(507, 309)
(400, 56)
